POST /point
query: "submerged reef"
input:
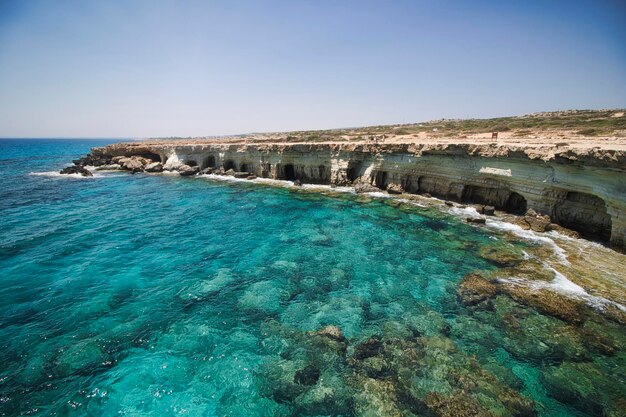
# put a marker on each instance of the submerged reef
(431, 366)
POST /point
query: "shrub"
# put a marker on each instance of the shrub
(588, 132)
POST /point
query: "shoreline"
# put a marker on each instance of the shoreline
(545, 247)
(580, 189)
(536, 190)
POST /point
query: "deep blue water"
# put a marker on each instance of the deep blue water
(159, 295)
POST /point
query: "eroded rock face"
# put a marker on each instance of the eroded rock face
(533, 221)
(552, 181)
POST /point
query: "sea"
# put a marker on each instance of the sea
(160, 295)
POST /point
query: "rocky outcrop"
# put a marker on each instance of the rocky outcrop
(132, 163)
(580, 189)
(76, 169)
(154, 167)
(186, 170)
(394, 189)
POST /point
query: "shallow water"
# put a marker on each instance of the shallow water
(160, 295)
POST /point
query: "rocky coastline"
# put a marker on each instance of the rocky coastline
(577, 191)
(526, 308)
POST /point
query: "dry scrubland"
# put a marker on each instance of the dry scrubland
(575, 128)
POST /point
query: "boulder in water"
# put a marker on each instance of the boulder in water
(476, 220)
(187, 171)
(154, 167)
(533, 221)
(132, 163)
(394, 189)
(76, 169)
(109, 167)
(486, 210)
(362, 187)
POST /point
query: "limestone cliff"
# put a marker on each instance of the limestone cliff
(583, 189)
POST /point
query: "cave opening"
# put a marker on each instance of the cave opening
(266, 170)
(585, 213)
(152, 156)
(515, 204)
(352, 174)
(323, 174)
(411, 184)
(244, 167)
(209, 162)
(229, 164)
(381, 179)
(191, 163)
(289, 172)
(497, 196)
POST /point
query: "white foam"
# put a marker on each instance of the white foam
(465, 212)
(529, 235)
(57, 174)
(349, 190)
(278, 183)
(228, 178)
(414, 203)
(378, 194)
(561, 284)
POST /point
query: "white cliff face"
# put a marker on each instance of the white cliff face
(584, 190)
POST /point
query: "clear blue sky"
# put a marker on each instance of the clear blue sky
(179, 68)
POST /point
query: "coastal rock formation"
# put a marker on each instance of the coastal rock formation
(186, 170)
(76, 169)
(394, 189)
(578, 188)
(154, 167)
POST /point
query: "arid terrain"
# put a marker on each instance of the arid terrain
(605, 129)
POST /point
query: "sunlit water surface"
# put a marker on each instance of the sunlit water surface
(159, 295)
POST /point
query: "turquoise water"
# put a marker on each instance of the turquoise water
(159, 295)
